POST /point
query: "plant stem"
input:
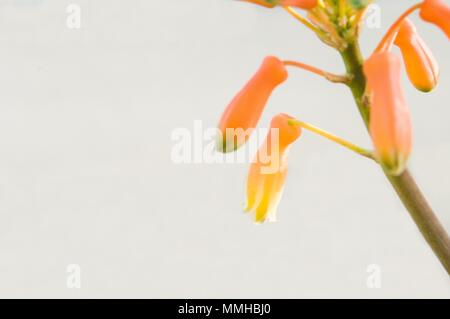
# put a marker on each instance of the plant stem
(424, 217)
(327, 75)
(339, 140)
(405, 186)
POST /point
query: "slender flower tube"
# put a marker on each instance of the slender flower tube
(390, 121)
(268, 171)
(302, 4)
(437, 13)
(243, 113)
(421, 66)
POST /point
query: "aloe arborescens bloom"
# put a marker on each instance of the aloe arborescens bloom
(267, 173)
(390, 122)
(375, 84)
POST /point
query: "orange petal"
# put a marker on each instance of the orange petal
(243, 113)
(438, 13)
(421, 66)
(390, 122)
(302, 4)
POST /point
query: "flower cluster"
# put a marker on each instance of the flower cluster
(336, 22)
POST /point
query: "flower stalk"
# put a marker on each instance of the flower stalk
(388, 38)
(339, 140)
(335, 78)
(404, 184)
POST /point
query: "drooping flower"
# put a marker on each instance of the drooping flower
(302, 4)
(268, 171)
(243, 113)
(390, 121)
(437, 13)
(421, 66)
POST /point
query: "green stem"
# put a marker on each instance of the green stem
(405, 186)
(336, 139)
(353, 63)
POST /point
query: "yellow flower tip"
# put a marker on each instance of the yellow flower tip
(390, 121)
(231, 139)
(265, 217)
(436, 12)
(267, 173)
(425, 89)
(243, 113)
(421, 66)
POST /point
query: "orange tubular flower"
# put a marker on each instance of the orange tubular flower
(267, 173)
(243, 113)
(390, 122)
(302, 4)
(420, 63)
(438, 13)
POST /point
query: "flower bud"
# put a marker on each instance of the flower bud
(421, 66)
(268, 171)
(243, 113)
(438, 13)
(390, 121)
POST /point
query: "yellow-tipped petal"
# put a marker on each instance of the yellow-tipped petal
(272, 191)
(268, 171)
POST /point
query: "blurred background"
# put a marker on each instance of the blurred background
(87, 177)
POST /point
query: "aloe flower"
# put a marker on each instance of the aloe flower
(242, 114)
(268, 171)
(437, 13)
(390, 122)
(375, 84)
(421, 66)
